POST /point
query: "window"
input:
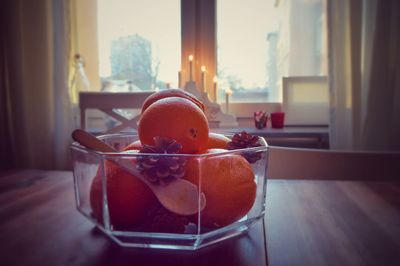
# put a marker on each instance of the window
(249, 45)
(139, 45)
(262, 41)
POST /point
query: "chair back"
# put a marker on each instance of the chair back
(109, 102)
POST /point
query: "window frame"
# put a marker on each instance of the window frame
(198, 26)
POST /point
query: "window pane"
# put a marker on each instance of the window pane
(139, 44)
(261, 41)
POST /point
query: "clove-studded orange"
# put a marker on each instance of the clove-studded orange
(171, 93)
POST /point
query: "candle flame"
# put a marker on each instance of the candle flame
(203, 69)
(215, 79)
(228, 91)
(190, 57)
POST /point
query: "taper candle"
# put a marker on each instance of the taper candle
(203, 78)
(190, 67)
(179, 79)
(215, 80)
(228, 92)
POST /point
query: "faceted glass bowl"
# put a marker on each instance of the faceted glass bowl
(97, 185)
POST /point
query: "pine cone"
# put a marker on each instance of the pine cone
(160, 169)
(245, 140)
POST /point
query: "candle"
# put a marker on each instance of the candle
(215, 80)
(203, 78)
(190, 67)
(228, 92)
(179, 79)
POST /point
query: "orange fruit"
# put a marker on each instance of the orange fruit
(177, 118)
(128, 197)
(228, 184)
(136, 145)
(217, 141)
(171, 93)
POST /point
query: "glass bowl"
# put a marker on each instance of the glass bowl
(125, 209)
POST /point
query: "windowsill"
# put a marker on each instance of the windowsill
(311, 137)
(316, 137)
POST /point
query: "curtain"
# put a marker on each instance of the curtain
(364, 56)
(6, 131)
(35, 105)
(63, 63)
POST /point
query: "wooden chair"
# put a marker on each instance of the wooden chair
(292, 163)
(108, 102)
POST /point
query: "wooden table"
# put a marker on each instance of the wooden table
(307, 223)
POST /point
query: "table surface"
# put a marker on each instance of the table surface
(307, 223)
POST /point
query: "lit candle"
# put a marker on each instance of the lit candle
(215, 80)
(203, 78)
(179, 79)
(190, 67)
(228, 92)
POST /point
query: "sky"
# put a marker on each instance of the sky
(242, 31)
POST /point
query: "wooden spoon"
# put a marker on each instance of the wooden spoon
(180, 196)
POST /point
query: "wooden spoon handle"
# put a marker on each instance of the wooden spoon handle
(90, 141)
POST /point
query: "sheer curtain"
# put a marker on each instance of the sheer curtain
(364, 54)
(35, 105)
